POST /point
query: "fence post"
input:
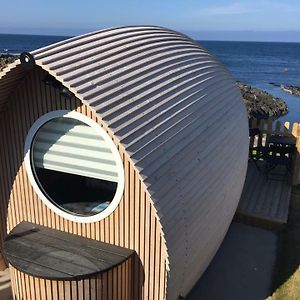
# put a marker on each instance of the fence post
(296, 167)
(286, 128)
(269, 130)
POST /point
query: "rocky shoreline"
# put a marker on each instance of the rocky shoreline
(259, 103)
(6, 59)
(291, 89)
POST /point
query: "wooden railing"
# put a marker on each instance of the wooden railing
(270, 127)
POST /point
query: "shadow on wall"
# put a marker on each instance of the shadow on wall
(139, 278)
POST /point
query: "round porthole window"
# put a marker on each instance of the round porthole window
(74, 166)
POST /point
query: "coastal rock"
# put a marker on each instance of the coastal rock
(294, 90)
(261, 104)
(6, 59)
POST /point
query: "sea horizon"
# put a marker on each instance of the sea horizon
(196, 39)
(254, 63)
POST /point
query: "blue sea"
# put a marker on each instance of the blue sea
(258, 64)
(254, 63)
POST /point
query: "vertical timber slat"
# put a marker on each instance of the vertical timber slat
(125, 227)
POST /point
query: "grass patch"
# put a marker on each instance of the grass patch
(287, 270)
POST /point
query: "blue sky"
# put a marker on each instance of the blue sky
(202, 19)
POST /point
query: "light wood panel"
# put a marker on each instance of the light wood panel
(102, 287)
(126, 226)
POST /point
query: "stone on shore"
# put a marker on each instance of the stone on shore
(6, 59)
(261, 104)
(294, 90)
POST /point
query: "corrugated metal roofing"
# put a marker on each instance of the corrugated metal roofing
(180, 117)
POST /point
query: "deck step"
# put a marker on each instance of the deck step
(264, 202)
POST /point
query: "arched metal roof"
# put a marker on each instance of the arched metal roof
(176, 111)
(140, 80)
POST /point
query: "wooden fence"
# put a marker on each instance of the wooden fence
(270, 127)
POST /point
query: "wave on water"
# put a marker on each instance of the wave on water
(9, 52)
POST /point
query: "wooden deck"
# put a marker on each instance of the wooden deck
(264, 203)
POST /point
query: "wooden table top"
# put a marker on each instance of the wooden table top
(52, 254)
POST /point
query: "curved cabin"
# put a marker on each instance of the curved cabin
(123, 156)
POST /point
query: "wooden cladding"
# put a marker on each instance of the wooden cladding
(133, 224)
(161, 97)
(114, 284)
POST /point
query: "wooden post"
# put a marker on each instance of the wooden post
(269, 130)
(286, 128)
(278, 127)
(296, 167)
(261, 127)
